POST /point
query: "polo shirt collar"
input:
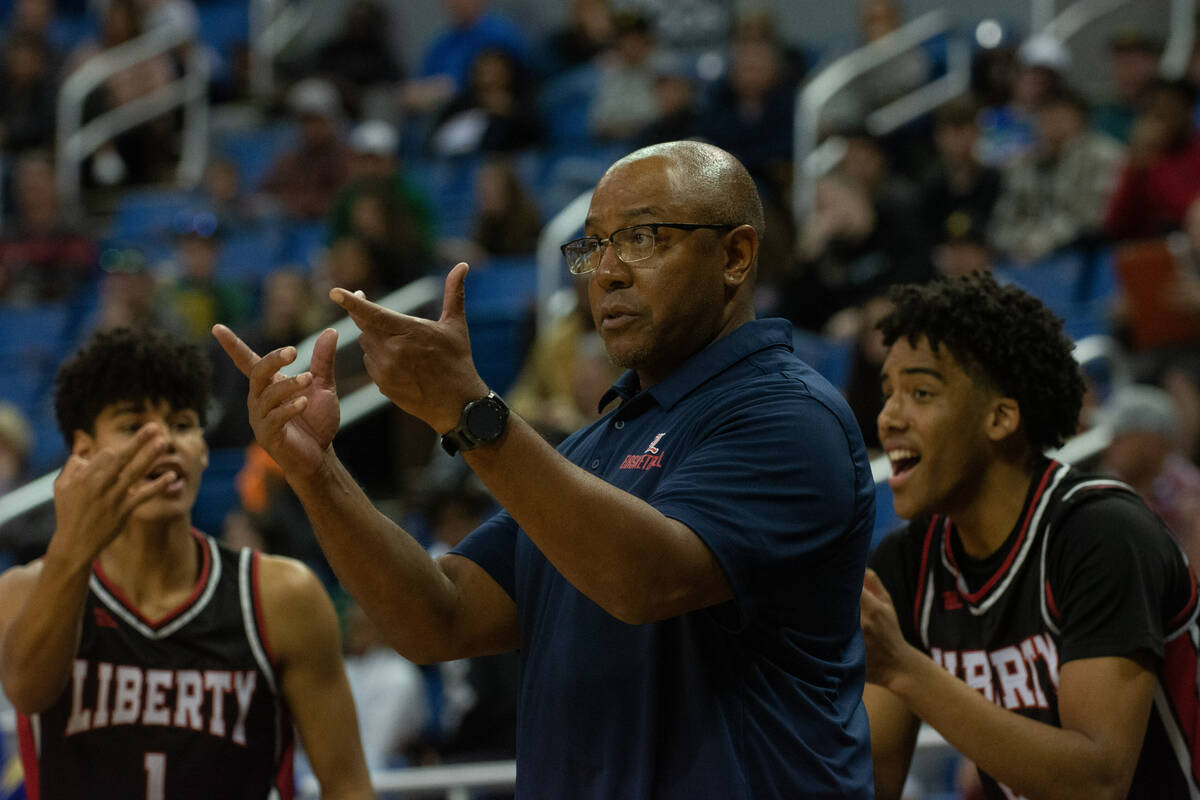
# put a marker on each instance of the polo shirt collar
(712, 360)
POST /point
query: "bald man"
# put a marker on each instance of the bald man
(682, 576)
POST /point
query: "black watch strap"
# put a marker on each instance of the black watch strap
(482, 421)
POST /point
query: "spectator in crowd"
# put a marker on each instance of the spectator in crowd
(1145, 453)
(507, 219)
(1133, 57)
(446, 65)
(962, 248)
(36, 18)
(142, 154)
(677, 116)
(957, 181)
(495, 113)
(384, 229)
(751, 114)
(886, 82)
(1162, 174)
(587, 32)
(128, 293)
(565, 373)
(624, 102)
(375, 167)
(1008, 129)
(222, 193)
(757, 23)
(307, 178)
(1056, 195)
(360, 56)
(43, 257)
(196, 296)
(864, 235)
(862, 387)
(28, 88)
(16, 439)
(348, 262)
(389, 692)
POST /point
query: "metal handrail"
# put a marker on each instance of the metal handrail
(1178, 50)
(549, 257)
(813, 97)
(354, 406)
(1077, 16)
(274, 24)
(76, 140)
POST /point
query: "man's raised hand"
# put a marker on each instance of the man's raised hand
(293, 418)
(422, 366)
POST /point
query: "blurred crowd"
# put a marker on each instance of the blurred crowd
(382, 174)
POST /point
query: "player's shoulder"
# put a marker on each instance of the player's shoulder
(283, 580)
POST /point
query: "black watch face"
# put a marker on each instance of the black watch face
(485, 422)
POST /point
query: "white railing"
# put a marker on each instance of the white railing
(813, 97)
(77, 140)
(453, 781)
(549, 257)
(274, 24)
(1180, 40)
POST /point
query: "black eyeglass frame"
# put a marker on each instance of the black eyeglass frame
(653, 226)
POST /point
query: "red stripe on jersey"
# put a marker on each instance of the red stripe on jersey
(1050, 601)
(974, 597)
(1179, 679)
(1186, 614)
(921, 573)
(29, 760)
(197, 590)
(258, 612)
(285, 779)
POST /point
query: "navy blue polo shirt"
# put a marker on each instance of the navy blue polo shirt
(757, 698)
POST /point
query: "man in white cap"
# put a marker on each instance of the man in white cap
(306, 178)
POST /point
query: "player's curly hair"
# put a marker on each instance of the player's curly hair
(1000, 335)
(130, 364)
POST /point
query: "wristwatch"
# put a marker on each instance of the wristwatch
(483, 421)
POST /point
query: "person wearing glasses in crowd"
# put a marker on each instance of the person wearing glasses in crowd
(681, 577)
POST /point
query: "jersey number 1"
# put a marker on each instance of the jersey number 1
(156, 775)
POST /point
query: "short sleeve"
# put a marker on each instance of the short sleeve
(1113, 571)
(493, 547)
(772, 489)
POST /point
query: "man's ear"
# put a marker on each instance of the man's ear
(82, 444)
(1003, 418)
(741, 251)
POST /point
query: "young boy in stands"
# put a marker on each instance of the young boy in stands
(146, 660)
(1043, 621)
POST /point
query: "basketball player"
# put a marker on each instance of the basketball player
(1042, 620)
(146, 660)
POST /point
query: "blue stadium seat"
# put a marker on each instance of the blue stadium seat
(254, 151)
(564, 102)
(829, 357)
(249, 255)
(501, 294)
(149, 212)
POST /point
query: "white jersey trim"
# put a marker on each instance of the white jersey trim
(132, 620)
(1177, 739)
(246, 597)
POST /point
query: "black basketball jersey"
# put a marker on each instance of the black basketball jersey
(1089, 571)
(187, 706)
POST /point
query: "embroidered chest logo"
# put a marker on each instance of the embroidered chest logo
(650, 459)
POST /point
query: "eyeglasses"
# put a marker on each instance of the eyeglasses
(635, 243)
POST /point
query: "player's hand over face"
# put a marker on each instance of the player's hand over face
(97, 490)
(293, 418)
(422, 366)
(886, 646)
